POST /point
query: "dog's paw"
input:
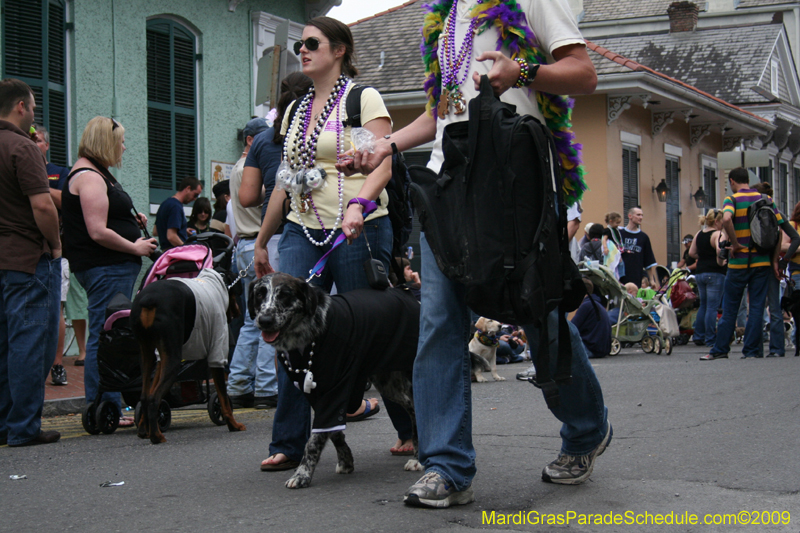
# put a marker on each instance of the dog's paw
(344, 468)
(480, 379)
(298, 481)
(236, 426)
(498, 377)
(413, 466)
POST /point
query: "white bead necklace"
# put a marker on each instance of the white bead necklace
(308, 382)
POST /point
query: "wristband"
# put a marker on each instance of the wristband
(368, 206)
(526, 73)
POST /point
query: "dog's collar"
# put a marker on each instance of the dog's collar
(486, 339)
(308, 382)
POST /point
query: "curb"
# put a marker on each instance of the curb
(65, 406)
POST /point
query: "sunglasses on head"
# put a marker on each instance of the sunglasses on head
(114, 124)
(312, 44)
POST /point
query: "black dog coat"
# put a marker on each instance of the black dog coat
(366, 332)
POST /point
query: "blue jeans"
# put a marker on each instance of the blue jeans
(253, 362)
(29, 307)
(442, 386)
(777, 340)
(756, 280)
(102, 283)
(710, 286)
(291, 426)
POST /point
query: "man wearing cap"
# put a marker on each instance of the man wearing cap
(688, 262)
(171, 219)
(253, 381)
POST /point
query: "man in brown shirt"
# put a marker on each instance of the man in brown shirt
(30, 272)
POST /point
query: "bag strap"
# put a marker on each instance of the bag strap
(352, 106)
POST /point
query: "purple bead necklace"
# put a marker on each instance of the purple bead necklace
(453, 62)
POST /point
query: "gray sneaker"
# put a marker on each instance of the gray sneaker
(527, 375)
(433, 490)
(573, 470)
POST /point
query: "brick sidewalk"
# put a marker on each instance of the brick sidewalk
(65, 399)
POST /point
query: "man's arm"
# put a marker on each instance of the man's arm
(55, 194)
(794, 240)
(572, 73)
(46, 217)
(172, 237)
(251, 189)
(727, 225)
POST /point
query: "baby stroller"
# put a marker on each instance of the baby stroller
(118, 356)
(638, 322)
(680, 291)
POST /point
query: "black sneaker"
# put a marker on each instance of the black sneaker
(242, 401)
(575, 469)
(58, 375)
(266, 402)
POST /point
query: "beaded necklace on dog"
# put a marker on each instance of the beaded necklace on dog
(299, 174)
(517, 37)
(308, 382)
(486, 339)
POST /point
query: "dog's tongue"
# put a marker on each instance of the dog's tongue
(269, 337)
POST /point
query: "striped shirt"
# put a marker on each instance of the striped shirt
(744, 199)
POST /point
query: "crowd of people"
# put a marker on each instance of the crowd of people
(295, 189)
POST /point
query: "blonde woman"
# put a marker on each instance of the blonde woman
(102, 240)
(710, 276)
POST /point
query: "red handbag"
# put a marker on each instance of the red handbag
(682, 296)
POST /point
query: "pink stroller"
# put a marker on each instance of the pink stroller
(118, 357)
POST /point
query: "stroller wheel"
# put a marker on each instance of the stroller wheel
(667, 346)
(658, 345)
(647, 344)
(88, 420)
(215, 410)
(615, 346)
(164, 416)
(107, 417)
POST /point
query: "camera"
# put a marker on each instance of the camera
(724, 253)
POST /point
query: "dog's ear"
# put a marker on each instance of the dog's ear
(251, 299)
(481, 324)
(311, 299)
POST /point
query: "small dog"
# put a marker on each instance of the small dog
(183, 319)
(738, 335)
(788, 327)
(484, 343)
(331, 346)
(791, 304)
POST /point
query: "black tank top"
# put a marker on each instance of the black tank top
(706, 255)
(80, 249)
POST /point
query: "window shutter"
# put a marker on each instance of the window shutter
(710, 187)
(673, 211)
(630, 180)
(22, 39)
(158, 65)
(159, 142)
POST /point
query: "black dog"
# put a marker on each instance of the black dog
(183, 319)
(330, 346)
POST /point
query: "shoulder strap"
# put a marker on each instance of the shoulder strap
(352, 106)
(78, 171)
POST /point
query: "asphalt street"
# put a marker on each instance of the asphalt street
(690, 438)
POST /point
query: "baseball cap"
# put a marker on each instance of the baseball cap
(254, 126)
(221, 188)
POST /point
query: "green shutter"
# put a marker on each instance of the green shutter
(171, 122)
(34, 50)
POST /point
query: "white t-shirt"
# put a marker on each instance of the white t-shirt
(230, 220)
(327, 199)
(553, 24)
(247, 220)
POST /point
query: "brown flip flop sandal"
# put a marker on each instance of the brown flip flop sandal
(288, 464)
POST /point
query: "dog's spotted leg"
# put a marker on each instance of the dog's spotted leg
(345, 464)
(218, 374)
(302, 476)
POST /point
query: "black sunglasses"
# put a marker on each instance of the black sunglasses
(312, 44)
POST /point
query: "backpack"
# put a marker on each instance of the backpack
(496, 222)
(764, 231)
(401, 210)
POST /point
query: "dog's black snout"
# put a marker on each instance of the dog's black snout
(265, 322)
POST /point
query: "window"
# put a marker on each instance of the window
(782, 191)
(171, 106)
(765, 173)
(34, 51)
(710, 186)
(672, 177)
(630, 179)
(796, 187)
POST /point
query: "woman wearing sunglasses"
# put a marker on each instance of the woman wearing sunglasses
(102, 240)
(710, 276)
(325, 204)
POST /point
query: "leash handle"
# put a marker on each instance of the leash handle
(316, 271)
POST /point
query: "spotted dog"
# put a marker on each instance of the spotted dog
(330, 347)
